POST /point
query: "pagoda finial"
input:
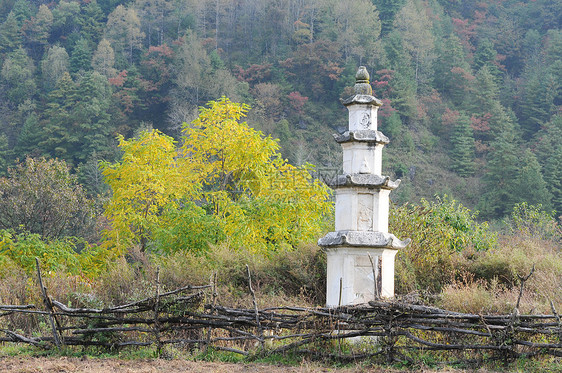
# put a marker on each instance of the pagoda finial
(362, 86)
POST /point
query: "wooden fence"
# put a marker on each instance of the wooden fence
(190, 318)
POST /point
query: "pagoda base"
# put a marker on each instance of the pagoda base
(358, 275)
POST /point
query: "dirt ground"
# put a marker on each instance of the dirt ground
(27, 364)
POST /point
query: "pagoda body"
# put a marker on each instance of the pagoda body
(360, 253)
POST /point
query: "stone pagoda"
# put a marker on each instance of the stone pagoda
(361, 252)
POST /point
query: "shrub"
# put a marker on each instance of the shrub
(42, 197)
(533, 221)
(440, 231)
(56, 256)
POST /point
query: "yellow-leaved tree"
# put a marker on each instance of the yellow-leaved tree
(147, 180)
(226, 183)
(263, 202)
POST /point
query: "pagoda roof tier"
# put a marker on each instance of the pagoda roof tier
(362, 100)
(364, 180)
(368, 136)
(362, 239)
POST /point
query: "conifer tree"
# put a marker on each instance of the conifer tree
(23, 11)
(81, 57)
(485, 55)
(489, 116)
(59, 136)
(10, 34)
(91, 116)
(452, 74)
(462, 152)
(387, 10)
(502, 170)
(549, 154)
(402, 86)
(29, 137)
(91, 22)
(530, 186)
(538, 102)
(17, 76)
(4, 150)
(37, 31)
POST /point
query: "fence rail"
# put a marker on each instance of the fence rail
(387, 330)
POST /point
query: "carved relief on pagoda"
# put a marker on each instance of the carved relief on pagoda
(363, 118)
(362, 158)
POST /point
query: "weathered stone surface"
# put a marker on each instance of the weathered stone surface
(376, 137)
(365, 180)
(359, 274)
(361, 209)
(362, 158)
(362, 99)
(360, 253)
(362, 239)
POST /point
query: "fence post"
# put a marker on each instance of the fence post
(156, 312)
(49, 307)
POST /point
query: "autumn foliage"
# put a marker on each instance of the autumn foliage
(225, 176)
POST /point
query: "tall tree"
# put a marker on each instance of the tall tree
(265, 203)
(17, 76)
(154, 16)
(10, 34)
(549, 154)
(486, 55)
(414, 25)
(81, 56)
(462, 152)
(124, 32)
(143, 184)
(358, 29)
(91, 115)
(91, 22)
(103, 60)
(387, 10)
(23, 10)
(4, 151)
(66, 17)
(530, 185)
(29, 137)
(38, 29)
(60, 137)
(55, 63)
(499, 197)
(452, 76)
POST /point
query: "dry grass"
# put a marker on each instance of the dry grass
(491, 280)
(86, 365)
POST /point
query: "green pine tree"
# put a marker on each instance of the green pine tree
(17, 77)
(452, 72)
(549, 154)
(485, 55)
(10, 34)
(91, 22)
(462, 152)
(530, 186)
(4, 154)
(81, 57)
(498, 198)
(29, 137)
(59, 136)
(91, 116)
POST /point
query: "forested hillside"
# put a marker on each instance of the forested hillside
(472, 91)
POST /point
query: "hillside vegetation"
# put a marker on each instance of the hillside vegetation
(138, 136)
(471, 90)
